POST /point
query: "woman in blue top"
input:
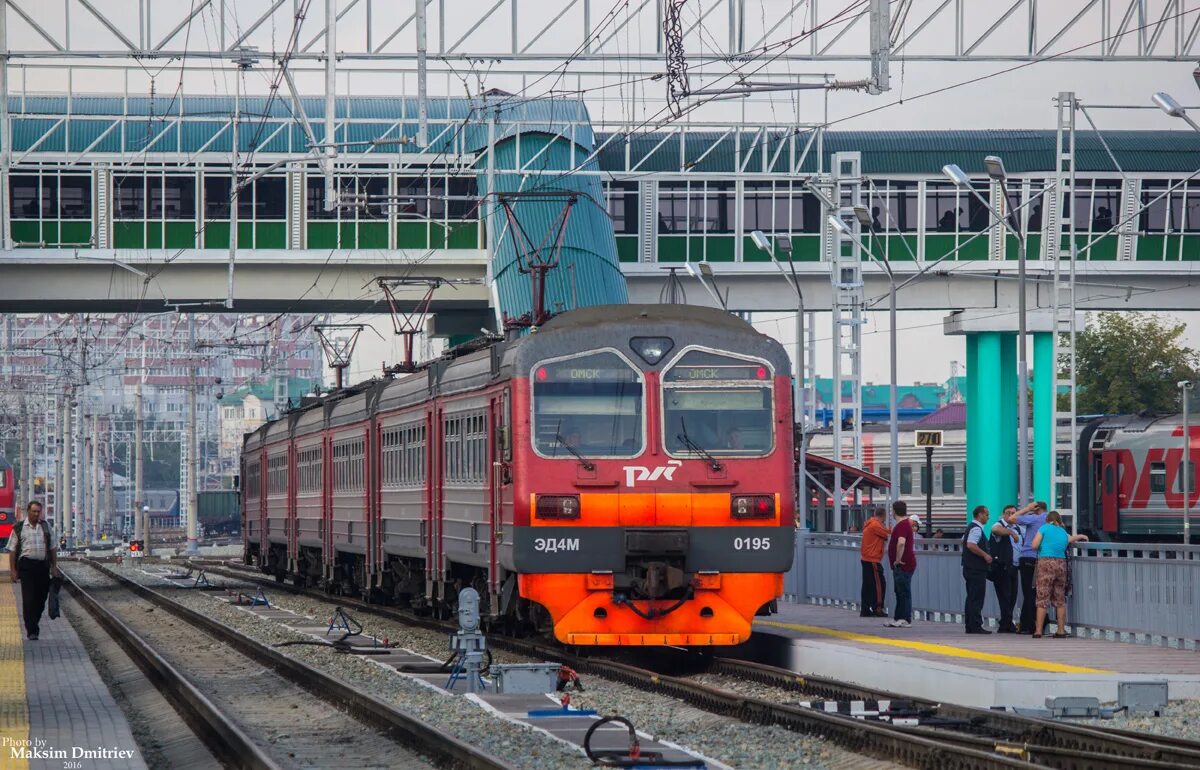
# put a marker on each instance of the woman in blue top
(1051, 544)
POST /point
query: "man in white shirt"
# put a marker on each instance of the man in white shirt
(31, 559)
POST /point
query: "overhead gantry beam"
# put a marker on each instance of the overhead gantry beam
(524, 34)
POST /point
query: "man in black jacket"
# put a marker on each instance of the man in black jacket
(1005, 548)
(975, 563)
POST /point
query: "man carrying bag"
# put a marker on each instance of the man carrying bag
(31, 561)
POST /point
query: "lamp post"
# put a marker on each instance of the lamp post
(864, 219)
(995, 171)
(1185, 392)
(763, 242)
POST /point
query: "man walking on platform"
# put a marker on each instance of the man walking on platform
(31, 560)
(1030, 518)
(902, 555)
(1005, 549)
(874, 584)
(975, 563)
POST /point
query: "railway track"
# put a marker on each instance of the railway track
(1003, 737)
(875, 739)
(250, 689)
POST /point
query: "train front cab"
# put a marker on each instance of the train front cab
(656, 505)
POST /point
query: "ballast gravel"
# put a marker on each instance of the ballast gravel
(1180, 720)
(731, 742)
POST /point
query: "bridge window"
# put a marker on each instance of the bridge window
(1097, 204)
(951, 210)
(695, 207)
(359, 198)
(155, 197)
(779, 207)
(1163, 212)
(717, 404)
(589, 405)
(893, 206)
(51, 208)
(622, 200)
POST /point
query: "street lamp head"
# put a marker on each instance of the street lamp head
(705, 269)
(864, 217)
(784, 242)
(838, 224)
(1167, 104)
(1185, 384)
(957, 175)
(995, 168)
(761, 240)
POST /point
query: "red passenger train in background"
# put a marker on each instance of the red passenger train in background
(8, 500)
(625, 473)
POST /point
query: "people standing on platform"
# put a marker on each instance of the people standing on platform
(1051, 543)
(902, 555)
(874, 584)
(975, 563)
(1031, 518)
(31, 561)
(1005, 548)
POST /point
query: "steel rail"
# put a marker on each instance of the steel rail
(224, 738)
(444, 750)
(1042, 741)
(852, 734)
(1048, 736)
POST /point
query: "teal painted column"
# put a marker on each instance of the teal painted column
(1044, 394)
(1009, 482)
(991, 421)
(975, 455)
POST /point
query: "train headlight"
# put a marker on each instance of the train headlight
(651, 349)
(557, 507)
(752, 506)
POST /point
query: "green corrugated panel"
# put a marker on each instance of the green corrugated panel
(588, 271)
(28, 131)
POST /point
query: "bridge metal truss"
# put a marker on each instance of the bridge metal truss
(538, 37)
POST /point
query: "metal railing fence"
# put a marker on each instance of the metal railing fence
(1139, 592)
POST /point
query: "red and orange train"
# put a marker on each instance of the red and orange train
(8, 501)
(625, 473)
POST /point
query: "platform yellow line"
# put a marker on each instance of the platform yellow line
(14, 708)
(941, 649)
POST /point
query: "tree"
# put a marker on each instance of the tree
(1131, 362)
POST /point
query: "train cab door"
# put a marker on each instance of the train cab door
(499, 489)
(1109, 488)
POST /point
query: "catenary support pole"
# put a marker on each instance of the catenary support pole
(193, 448)
(141, 526)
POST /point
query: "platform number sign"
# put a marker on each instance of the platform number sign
(929, 438)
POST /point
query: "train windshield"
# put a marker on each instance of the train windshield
(588, 406)
(717, 404)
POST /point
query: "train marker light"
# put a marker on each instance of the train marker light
(761, 372)
(557, 507)
(542, 374)
(752, 506)
(651, 349)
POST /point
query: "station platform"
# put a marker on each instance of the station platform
(940, 662)
(54, 706)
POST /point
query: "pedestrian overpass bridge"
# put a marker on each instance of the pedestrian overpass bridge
(342, 281)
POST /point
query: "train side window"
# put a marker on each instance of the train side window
(1190, 470)
(924, 480)
(885, 472)
(1158, 478)
(947, 479)
(1108, 480)
(906, 479)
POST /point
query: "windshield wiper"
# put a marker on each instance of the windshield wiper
(587, 464)
(692, 445)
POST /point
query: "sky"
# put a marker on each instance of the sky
(924, 95)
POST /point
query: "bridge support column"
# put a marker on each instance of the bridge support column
(1044, 394)
(991, 421)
